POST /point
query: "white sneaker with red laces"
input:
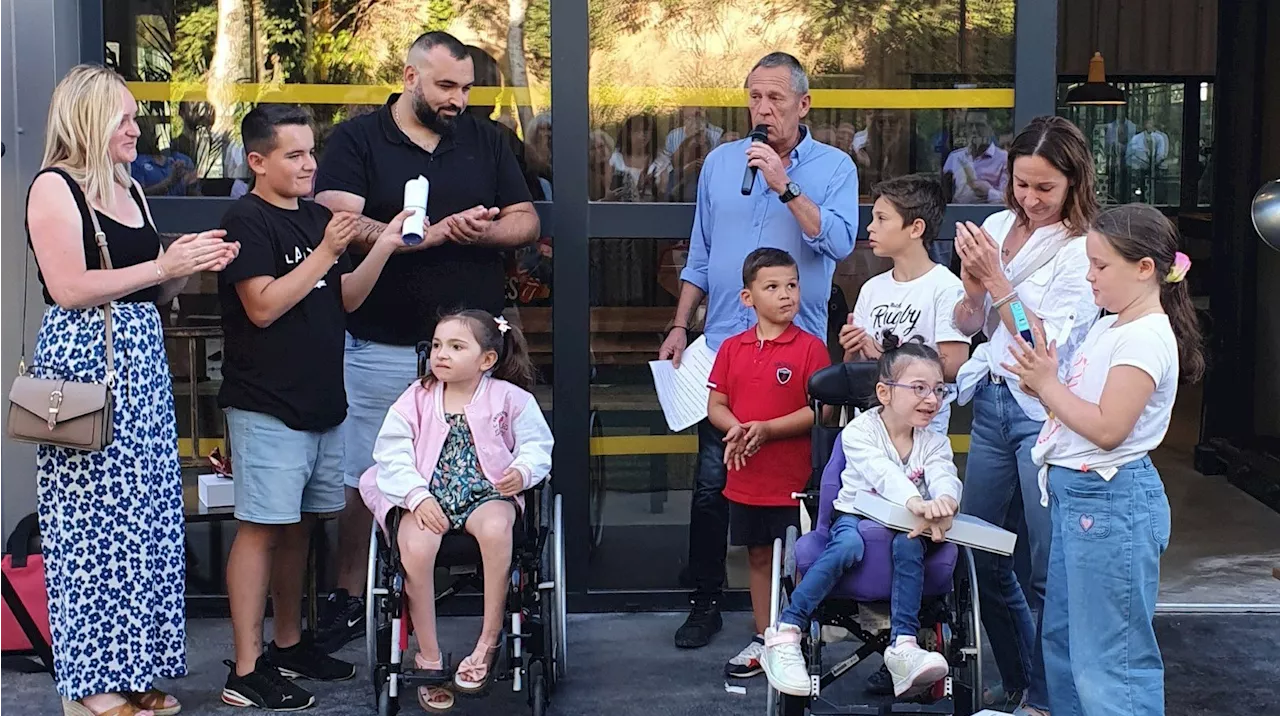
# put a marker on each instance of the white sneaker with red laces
(747, 663)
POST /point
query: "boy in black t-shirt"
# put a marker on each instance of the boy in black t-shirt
(284, 305)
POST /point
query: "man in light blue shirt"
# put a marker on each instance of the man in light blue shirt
(804, 200)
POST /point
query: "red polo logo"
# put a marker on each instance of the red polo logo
(784, 375)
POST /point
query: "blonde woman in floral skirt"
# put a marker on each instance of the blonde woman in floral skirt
(111, 521)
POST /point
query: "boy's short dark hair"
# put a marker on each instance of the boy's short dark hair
(258, 128)
(764, 258)
(915, 196)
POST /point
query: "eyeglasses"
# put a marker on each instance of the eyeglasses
(922, 391)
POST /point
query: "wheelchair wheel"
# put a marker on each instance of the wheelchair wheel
(371, 612)
(387, 706)
(965, 650)
(560, 649)
(538, 690)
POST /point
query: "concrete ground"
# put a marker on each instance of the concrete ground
(625, 665)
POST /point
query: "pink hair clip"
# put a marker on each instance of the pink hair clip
(1178, 271)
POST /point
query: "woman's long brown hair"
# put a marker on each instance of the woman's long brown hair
(1060, 143)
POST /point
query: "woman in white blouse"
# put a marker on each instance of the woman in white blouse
(1024, 269)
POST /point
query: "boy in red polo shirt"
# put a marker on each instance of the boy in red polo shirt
(759, 399)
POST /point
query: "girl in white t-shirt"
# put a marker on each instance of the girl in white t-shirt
(1109, 510)
(915, 298)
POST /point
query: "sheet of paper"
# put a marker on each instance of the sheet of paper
(683, 391)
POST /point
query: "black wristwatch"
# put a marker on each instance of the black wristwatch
(793, 190)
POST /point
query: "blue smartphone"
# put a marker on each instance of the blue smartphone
(1020, 322)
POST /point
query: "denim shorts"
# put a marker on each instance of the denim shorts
(280, 472)
(376, 375)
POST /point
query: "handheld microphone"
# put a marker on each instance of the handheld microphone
(759, 134)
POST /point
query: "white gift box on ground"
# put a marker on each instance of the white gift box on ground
(217, 491)
(967, 530)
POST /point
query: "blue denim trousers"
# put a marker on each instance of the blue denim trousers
(845, 549)
(1100, 651)
(1001, 486)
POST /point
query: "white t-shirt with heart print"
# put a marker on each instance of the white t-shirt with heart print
(920, 307)
(1146, 343)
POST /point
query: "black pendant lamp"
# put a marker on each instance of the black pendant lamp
(1096, 91)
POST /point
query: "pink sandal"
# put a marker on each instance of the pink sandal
(435, 699)
(474, 673)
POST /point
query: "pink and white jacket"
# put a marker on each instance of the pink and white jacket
(506, 424)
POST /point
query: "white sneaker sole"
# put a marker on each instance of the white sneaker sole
(919, 681)
(788, 689)
(232, 697)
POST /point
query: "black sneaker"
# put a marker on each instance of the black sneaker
(703, 622)
(341, 620)
(880, 683)
(265, 688)
(305, 661)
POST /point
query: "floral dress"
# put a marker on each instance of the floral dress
(458, 484)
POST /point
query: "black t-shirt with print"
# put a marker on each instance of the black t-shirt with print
(292, 369)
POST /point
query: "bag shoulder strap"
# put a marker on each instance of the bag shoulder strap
(18, 546)
(100, 238)
(28, 625)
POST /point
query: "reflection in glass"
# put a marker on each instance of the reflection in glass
(339, 57)
(673, 64)
(1137, 148)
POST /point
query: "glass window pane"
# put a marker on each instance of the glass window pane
(1137, 148)
(889, 86)
(1204, 190)
(197, 69)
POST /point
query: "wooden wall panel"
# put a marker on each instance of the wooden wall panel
(1138, 37)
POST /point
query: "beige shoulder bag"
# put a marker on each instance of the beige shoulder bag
(65, 413)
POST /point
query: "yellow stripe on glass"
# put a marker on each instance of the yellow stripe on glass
(599, 96)
(615, 446)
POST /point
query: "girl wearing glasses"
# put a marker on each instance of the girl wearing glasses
(888, 451)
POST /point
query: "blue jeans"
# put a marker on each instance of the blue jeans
(708, 515)
(1001, 487)
(844, 549)
(376, 375)
(1100, 651)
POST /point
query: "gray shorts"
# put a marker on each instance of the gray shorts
(280, 472)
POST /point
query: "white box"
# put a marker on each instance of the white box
(217, 491)
(967, 530)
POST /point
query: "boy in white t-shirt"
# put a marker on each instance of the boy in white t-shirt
(1107, 502)
(917, 297)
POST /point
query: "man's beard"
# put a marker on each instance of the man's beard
(441, 124)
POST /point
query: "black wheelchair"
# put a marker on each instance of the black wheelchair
(950, 617)
(532, 653)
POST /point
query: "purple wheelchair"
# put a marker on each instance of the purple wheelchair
(949, 614)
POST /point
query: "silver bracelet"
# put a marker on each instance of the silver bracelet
(1012, 295)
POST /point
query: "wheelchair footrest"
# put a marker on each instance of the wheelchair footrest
(942, 707)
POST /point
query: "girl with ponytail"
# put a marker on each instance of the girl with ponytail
(1108, 507)
(456, 451)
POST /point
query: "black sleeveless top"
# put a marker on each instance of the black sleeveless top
(129, 245)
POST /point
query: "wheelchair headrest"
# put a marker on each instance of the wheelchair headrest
(852, 384)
